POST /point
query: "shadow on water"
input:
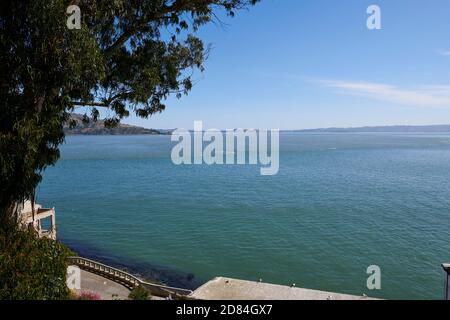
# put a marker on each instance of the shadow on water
(146, 271)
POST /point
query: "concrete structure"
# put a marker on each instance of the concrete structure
(126, 279)
(106, 288)
(233, 289)
(112, 283)
(37, 220)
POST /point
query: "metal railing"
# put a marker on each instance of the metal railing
(126, 279)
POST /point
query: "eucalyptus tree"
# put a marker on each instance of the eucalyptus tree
(125, 55)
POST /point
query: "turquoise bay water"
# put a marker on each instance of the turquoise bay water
(340, 203)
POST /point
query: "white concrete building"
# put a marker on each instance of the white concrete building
(43, 219)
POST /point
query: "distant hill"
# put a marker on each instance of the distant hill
(98, 128)
(405, 129)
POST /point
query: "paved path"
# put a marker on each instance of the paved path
(233, 289)
(218, 289)
(108, 289)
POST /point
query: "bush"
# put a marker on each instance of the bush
(32, 268)
(88, 295)
(139, 293)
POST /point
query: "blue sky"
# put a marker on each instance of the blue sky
(293, 64)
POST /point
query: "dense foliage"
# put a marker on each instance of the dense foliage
(32, 267)
(128, 56)
(139, 293)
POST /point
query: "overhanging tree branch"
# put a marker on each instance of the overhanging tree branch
(177, 7)
(90, 104)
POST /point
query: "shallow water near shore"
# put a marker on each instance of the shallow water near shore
(340, 203)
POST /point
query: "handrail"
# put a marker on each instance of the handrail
(126, 278)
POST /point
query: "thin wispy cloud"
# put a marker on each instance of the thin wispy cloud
(423, 96)
(445, 53)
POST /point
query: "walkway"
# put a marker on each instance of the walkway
(107, 289)
(233, 289)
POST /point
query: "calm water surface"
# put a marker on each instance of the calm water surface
(340, 203)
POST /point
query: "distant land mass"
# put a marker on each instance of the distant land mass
(98, 128)
(405, 129)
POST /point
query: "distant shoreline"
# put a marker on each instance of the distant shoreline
(81, 125)
(98, 128)
(444, 128)
(116, 134)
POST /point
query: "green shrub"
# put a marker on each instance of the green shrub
(32, 268)
(139, 293)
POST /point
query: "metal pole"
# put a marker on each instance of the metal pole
(446, 267)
